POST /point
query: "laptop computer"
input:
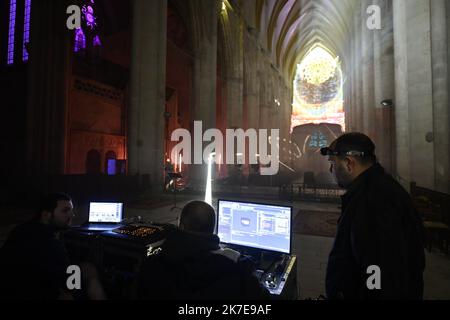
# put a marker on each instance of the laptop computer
(104, 216)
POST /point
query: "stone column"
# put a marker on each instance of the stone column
(357, 69)
(235, 71)
(205, 74)
(367, 66)
(266, 100)
(147, 92)
(251, 89)
(414, 92)
(47, 88)
(384, 86)
(252, 83)
(439, 39)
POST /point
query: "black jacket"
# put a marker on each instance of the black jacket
(378, 226)
(33, 263)
(187, 269)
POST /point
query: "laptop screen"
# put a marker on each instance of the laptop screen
(261, 226)
(102, 212)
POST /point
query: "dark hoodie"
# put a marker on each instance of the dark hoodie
(187, 269)
(33, 263)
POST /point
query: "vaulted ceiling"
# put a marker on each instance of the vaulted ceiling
(290, 28)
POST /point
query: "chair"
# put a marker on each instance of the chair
(436, 230)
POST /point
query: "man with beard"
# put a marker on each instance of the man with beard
(378, 227)
(34, 261)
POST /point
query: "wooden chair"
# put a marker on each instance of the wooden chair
(436, 230)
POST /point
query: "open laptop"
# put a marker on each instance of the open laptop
(104, 216)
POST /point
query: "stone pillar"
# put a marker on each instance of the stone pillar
(47, 88)
(357, 69)
(251, 89)
(439, 39)
(147, 92)
(251, 83)
(234, 72)
(367, 66)
(205, 74)
(266, 100)
(414, 92)
(384, 86)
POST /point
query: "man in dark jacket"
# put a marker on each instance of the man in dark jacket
(34, 261)
(379, 230)
(192, 266)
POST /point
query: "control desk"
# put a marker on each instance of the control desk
(118, 255)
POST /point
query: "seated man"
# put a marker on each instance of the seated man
(192, 266)
(34, 261)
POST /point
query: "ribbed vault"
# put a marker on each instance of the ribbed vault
(290, 28)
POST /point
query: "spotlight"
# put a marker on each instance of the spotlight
(208, 192)
(387, 103)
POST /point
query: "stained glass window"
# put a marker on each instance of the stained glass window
(318, 90)
(26, 29)
(12, 46)
(318, 140)
(80, 40)
(87, 35)
(11, 31)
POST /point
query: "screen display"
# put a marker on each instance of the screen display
(101, 212)
(266, 227)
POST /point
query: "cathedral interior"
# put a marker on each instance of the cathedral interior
(94, 91)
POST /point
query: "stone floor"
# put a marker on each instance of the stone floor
(312, 253)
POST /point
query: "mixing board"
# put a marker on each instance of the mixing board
(138, 231)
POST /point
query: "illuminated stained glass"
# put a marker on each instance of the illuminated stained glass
(318, 90)
(11, 31)
(318, 140)
(80, 40)
(86, 35)
(26, 29)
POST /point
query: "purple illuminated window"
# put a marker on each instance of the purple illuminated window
(26, 29)
(89, 16)
(89, 22)
(97, 42)
(80, 40)
(12, 31)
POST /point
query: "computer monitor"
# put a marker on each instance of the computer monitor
(105, 212)
(261, 226)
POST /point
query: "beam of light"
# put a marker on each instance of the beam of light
(176, 164)
(306, 142)
(208, 192)
(286, 166)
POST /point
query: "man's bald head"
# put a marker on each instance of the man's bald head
(198, 217)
